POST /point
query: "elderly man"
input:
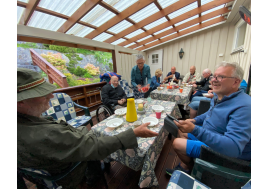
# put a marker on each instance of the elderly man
(205, 82)
(139, 74)
(226, 125)
(192, 75)
(113, 94)
(43, 143)
(172, 75)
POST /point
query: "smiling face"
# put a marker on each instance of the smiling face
(140, 63)
(173, 69)
(192, 70)
(114, 81)
(228, 85)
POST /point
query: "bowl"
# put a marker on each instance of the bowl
(158, 108)
(138, 101)
(205, 94)
(116, 122)
(153, 121)
(137, 123)
(121, 111)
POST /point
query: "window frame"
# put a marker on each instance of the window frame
(240, 23)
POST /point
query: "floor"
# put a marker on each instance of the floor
(123, 177)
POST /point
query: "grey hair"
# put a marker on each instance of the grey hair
(238, 71)
(207, 70)
(139, 56)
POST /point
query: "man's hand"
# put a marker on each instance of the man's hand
(175, 79)
(170, 76)
(210, 91)
(194, 85)
(193, 82)
(143, 132)
(191, 120)
(148, 85)
(185, 126)
(190, 82)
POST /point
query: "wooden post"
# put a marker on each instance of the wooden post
(114, 61)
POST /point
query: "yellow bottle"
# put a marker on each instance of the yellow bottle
(131, 110)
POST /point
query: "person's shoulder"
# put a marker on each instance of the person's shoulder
(107, 86)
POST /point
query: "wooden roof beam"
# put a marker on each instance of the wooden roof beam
(182, 26)
(199, 4)
(29, 9)
(189, 30)
(175, 20)
(78, 14)
(118, 18)
(175, 6)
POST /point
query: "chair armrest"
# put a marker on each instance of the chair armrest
(86, 110)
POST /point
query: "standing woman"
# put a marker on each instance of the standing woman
(139, 74)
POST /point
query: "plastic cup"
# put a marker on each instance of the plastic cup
(181, 90)
(158, 114)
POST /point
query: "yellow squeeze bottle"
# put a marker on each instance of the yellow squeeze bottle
(131, 110)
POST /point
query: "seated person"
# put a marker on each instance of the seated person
(155, 82)
(243, 86)
(205, 82)
(194, 105)
(43, 143)
(172, 75)
(113, 94)
(139, 75)
(226, 125)
(192, 75)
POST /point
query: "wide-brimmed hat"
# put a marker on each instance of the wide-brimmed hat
(31, 84)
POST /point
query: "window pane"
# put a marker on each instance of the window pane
(241, 32)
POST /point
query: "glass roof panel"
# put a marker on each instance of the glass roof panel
(213, 9)
(45, 21)
(166, 3)
(156, 23)
(160, 31)
(102, 37)
(66, 7)
(186, 20)
(144, 38)
(130, 44)
(26, 1)
(138, 47)
(20, 11)
(203, 2)
(150, 42)
(168, 35)
(183, 10)
(120, 26)
(137, 32)
(189, 27)
(144, 13)
(211, 18)
(118, 41)
(98, 16)
(79, 30)
(120, 5)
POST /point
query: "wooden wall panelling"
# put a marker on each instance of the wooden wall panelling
(213, 49)
(223, 38)
(193, 50)
(175, 55)
(186, 65)
(199, 52)
(180, 61)
(206, 50)
(229, 42)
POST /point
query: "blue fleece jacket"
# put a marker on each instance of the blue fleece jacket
(154, 83)
(227, 126)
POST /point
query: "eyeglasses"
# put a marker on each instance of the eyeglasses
(219, 77)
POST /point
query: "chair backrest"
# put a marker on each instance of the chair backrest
(62, 107)
(203, 107)
(124, 84)
(209, 155)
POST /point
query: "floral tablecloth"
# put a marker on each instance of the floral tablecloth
(145, 156)
(173, 95)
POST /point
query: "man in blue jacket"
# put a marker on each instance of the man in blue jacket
(173, 74)
(226, 125)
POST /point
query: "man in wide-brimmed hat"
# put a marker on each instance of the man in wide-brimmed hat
(43, 143)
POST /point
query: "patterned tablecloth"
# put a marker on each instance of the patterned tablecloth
(174, 95)
(145, 156)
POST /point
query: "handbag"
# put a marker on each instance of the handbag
(170, 126)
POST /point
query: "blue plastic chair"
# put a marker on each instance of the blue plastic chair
(62, 108)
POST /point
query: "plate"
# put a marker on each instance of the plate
(121, 111)
(116, 122)
(205, 94)
(153, 121)
(138, 101)
(158, 107)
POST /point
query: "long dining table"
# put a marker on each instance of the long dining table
(145, 156)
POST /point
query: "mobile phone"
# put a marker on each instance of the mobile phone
(173, 118)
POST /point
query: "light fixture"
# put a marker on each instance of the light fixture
(181, 53)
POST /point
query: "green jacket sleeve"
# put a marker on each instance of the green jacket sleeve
(74, 145)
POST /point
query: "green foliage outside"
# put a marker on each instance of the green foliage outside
(27, 45)
(62, 49)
